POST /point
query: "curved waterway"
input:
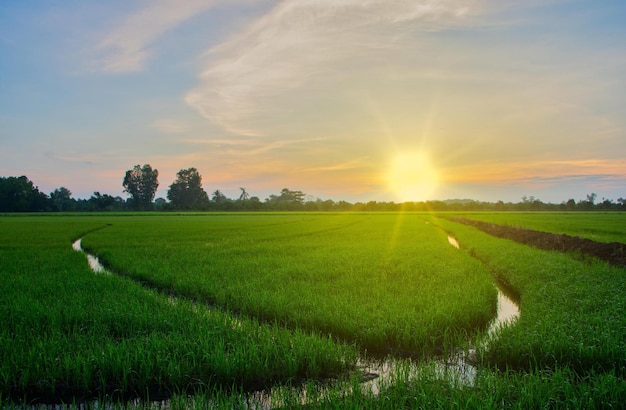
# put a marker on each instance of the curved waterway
(459, 369)
(507, 309)
(94, 262)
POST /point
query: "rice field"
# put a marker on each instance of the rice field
(203, 309)
(600, 227)
(377, 281)
(70, 334)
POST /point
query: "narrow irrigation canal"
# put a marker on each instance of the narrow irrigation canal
(458, 368)
(507, 309)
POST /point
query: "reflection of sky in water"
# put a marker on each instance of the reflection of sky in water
(507, 309)
(94, 262)
(453, 242)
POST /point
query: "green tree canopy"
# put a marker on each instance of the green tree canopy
(219, 197)
(288, 196)
(62, 199)
(141, 184)
(187, 192)
(19, 194)
(287, 199)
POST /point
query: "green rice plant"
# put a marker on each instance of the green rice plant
(560, 388)
(597, 226)
(571, 310)
(389, 282)
(68, 334)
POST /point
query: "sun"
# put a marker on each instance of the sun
(411, 177)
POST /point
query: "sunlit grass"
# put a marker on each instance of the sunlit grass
(571, 310)
(285, 289)
(597, 226)
(364, 279)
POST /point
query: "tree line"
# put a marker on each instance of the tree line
(20, 194)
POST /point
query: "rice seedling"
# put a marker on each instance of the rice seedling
(377, 281)
(572, 310)
(286, 289)
(68, 334)
(598, 226)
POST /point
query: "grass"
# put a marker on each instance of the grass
(378, 281)
(68, 333)
(571, 310)
(597, 226)
(287, 289)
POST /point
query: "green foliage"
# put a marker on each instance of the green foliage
(557, 389)
(19, 194)
(187, 192)
(287, 200)
(141, 183)
(62, 200)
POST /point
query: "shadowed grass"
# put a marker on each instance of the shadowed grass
(70, 334)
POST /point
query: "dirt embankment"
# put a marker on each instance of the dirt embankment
(612, 252)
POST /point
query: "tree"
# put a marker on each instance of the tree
(106, 202)
(244, 195)
(589, 203)
(591, 198)
(141, 183)
(62, 199)
(19, 194)
(287, 199)
(187, 192)
(218, 196)
(288, 196)
(160, 204)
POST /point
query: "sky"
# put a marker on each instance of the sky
(355, 100)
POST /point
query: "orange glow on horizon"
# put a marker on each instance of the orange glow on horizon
(500, 171)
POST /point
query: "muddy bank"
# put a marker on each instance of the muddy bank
(612, 252)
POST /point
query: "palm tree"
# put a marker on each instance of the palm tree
(218, 196)
(244, 195)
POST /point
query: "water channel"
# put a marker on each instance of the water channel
(94, 262)
(377, 373)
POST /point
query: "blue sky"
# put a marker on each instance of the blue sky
(353, 100)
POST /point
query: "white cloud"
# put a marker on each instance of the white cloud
(300, 43)
(128, 47)
(253, 147)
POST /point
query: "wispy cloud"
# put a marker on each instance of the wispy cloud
(84, 159)
(170, 126)
(535, 170)
(128, 46)
(304, 44)
(251, 146)
(343, 166)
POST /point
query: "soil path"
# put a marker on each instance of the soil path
(612, 252)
